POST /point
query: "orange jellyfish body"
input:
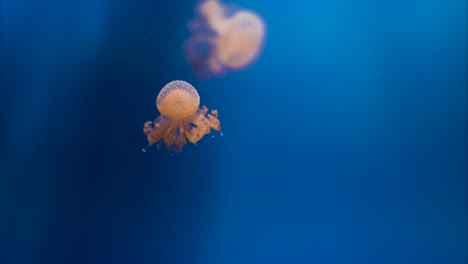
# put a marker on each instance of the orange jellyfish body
(181, 118)
(241, 40)
(222, 41)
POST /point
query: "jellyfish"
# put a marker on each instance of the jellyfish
(181, 118)
(223, 39)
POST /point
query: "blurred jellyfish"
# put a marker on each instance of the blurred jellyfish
(180, 117)
(223, 39)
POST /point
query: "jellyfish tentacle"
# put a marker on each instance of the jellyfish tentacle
(215, 124)
(168, 136)
(174, 138)
(154, 131)
(180, 140)
(201, 124)
(198, 130)
(148, 129)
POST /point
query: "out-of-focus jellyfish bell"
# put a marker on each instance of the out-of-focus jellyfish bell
(221, 40)
(180, 118)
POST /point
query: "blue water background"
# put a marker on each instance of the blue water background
(346, 142)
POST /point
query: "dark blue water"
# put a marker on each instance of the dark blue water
(346, 142)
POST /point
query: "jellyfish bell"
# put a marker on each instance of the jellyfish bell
(181, 118)
(235, 41)
(178, 100)
(241, 40)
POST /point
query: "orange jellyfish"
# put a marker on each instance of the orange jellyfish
(180, 118)
(222, 41)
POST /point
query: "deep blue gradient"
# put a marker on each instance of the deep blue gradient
(346, 142)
